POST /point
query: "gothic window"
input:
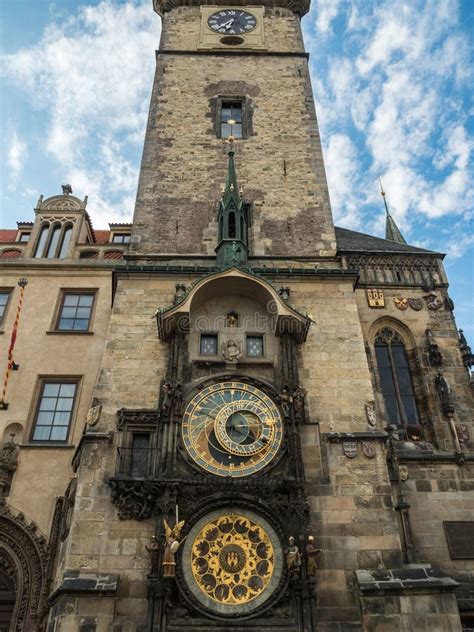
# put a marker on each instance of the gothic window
(231, 225)
(140, 454)
(53, 242)
(76, 311)
(54, 412)
(66, 238)
(208, 344)
(395, 379)
(255, 346)
(231, 119)
(4, 298)
(42, 241)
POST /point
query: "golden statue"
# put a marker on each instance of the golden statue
(171, 547)
(312, 554)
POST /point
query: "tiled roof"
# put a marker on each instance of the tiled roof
(7, 236)
(102, 236)
(352, 241)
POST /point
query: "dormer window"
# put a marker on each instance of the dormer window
(121, 238)
(24, 236)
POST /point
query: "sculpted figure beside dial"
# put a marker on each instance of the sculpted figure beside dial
(232, 429)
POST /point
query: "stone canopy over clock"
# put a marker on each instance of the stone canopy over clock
(232, 27)
(232, 429)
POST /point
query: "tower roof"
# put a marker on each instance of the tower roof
(231, 195)
(392, 232)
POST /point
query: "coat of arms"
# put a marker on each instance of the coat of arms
(401, 303)
(93, 415)
(371, 414)
(433, 302)
(415, 303)
(463, 433)
(368, 448)
(375, 298)
(350, 448)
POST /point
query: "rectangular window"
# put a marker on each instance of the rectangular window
(24, 237)
(208, 344)
(54, 413)
(4, 298)
(255, 346)
(75, 313)
(121, 238)
(140, 454)
(231, 119)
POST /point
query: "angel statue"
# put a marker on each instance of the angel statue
(171, 547)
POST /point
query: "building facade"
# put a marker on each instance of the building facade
(231, 415)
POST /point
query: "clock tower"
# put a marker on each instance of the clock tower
(232, 476)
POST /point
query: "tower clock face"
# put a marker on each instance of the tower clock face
(232, 21)
(232, 429)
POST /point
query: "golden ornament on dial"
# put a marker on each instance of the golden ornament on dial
(232, 429)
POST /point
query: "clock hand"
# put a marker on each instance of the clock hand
(230, 25)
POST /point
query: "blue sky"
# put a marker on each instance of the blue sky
(391, 78)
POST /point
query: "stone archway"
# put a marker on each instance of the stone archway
(23, 562)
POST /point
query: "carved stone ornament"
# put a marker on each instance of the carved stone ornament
(401, 303)
(133, 499)
(434, 354)
(375, 298)
(350, 449)
(371, 414)
(368, 448)
(24, 555)
(93, 415)
(445, 394)
(432, 302)
(463, 433)
(403, 472)
(8, 465)
(416, 304)
(232, 351)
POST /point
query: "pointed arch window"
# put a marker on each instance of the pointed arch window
(42, 241)
(395, 378)
(53, 242)
(231, 225)
(63, 251)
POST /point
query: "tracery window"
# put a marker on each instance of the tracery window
(395, 378)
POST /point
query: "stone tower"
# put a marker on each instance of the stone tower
(271, 387)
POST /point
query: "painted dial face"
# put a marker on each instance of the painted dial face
(232, 429)
(232, 561)
(232, 22)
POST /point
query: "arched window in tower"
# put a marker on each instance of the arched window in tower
(231, 225)
(65, 242)
(395, 378)
(42, 241)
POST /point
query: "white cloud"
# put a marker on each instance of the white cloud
(341, 164)
(15, 158)
(92, 74)
(326, 12)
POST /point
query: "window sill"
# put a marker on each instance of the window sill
(54, 332)
(47, 445)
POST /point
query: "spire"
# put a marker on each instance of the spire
(392, 232)
(231, 194)
(232, 241)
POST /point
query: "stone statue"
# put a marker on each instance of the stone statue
(8, 464)
(67, 189)
(293, 558)
(154, 551)
(178, 398)
(285, 401)
(298, 400)
(167, 396)
(232, 351)
(312, 553)
(171, 547)
(445, 394)
(180, 292)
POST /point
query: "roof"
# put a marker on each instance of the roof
(352, 241)
(7, 236)
(102, 236)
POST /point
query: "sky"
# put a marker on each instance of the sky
(391, 80)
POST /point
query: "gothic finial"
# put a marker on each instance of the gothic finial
(392, 232)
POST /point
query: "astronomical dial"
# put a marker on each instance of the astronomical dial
(232, 22)
(232, 429)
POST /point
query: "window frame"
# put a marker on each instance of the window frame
(209, 334)
(216, 106)
(42, 381)
(22, 235)
(120, 234)
(231, 105)
(3, 318)
(254, 335)
(405, 421)
(54, 329)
